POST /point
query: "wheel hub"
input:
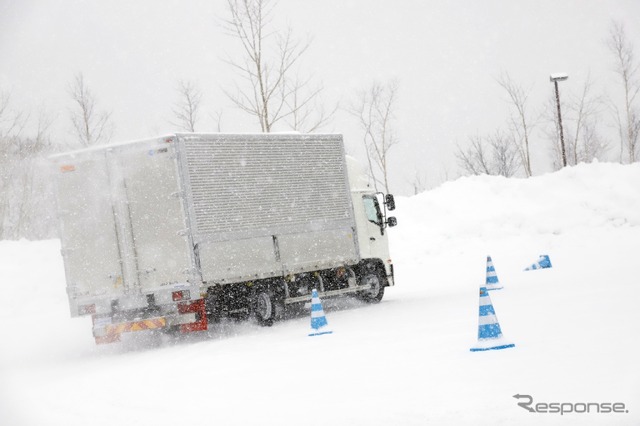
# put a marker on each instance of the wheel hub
(263, 306)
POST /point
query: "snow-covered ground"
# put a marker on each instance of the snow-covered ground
(405, 361)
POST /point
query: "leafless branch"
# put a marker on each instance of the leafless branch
(628, 120)
(375, 109)
(495, 154)
(187, 109)
(520, 123)
(90, 126)
(268, 61)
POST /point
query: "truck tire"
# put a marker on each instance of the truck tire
(213, 306)
(264, 307)
(376, 292)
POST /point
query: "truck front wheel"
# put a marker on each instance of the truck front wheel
(376, 291)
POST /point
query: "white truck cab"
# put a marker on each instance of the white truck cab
(371, 219)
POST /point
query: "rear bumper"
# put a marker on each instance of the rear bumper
(190, 316)
(102, 305)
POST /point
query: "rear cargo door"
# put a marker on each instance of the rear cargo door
(88, 229)
(156, 215)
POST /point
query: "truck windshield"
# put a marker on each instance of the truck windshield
(372, 209)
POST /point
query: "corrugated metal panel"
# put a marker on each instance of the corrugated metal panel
(243, 183)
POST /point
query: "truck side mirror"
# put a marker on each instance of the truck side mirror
(392, 221)
(390, 202)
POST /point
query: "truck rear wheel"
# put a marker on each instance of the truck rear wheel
(213, 305)
(376, 291)
(264, 307)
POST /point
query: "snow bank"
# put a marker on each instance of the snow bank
(405, 361)
(585, 196)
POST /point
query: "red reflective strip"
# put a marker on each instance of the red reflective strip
(189, 307)
(197, 307)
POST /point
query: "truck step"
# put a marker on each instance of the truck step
(329, 293)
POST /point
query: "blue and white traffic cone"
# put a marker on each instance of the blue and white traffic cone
(319, 323)
(489, 332)
(492, 282)
(543, 263)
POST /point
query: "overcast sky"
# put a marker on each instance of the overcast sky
(445, 56)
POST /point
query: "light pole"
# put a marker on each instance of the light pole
(555, 78)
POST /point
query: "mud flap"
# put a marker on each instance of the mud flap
(197, 307)
(103, 339)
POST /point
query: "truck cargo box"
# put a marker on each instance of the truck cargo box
(139, 220)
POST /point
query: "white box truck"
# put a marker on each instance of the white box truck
(177, 232)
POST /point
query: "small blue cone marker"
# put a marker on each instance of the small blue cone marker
(492, 282)
(319, 323)
(543, 263)
(489, 332)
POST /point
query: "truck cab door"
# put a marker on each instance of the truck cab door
(378, 245)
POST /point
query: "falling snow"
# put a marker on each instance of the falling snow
(404, 361)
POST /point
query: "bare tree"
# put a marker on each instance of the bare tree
(520, 123)
(12, 124)
(187, 108)
(504, 155)
(273, 90)
(31, 183)
(495, 154)
(216, 116)
(90, 126)
(25, 205)
(474, 159)
(375, 109)
(583, 108)
(307, 112)
(628, 120)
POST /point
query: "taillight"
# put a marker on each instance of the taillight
(180, 295)
(87, 309)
